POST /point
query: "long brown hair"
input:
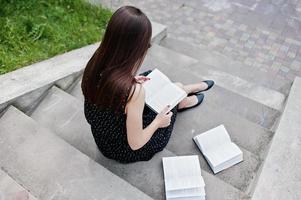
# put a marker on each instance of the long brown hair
(109, 75)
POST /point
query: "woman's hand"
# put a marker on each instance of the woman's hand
(163, 118)
(141, 79)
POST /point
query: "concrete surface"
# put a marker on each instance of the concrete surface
(51, 168)
(253, 137)
(281, 176)
(11, 190)
(28, 79)
(233, 83)
(77, 91)
(239, 176)
(262, 34)
(68, 81)
(176, 66)
(226, 64)
(63, 114)
(216, 109)
(262, 95)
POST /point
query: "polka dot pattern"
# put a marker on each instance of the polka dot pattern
(109, 132)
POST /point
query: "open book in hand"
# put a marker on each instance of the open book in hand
(218, 149)
(160, 92)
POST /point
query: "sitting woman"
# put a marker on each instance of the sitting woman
(124, 128)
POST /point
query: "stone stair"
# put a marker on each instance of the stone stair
(52, 169)
(225, 64)
(54, 136)
(63, 114)
(280, 175)
(253, 138)
(183, 68)
(10, 189)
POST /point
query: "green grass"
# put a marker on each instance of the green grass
(34, 30)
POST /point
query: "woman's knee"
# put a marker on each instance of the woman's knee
(179, 84)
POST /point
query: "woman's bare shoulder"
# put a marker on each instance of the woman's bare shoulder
(136, 97)
(137, 92)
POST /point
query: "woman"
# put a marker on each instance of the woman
(124, 128)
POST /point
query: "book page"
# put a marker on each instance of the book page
(222, 154)
(193, 192)
(182, 172)
(229, 163)
(188, 198)
(200, 191)
(213, 138)
(170, 94)
(156, 82)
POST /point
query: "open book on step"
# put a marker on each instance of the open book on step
(183, 178)
(218, 149)
(160, 92)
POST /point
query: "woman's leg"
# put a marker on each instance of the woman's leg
(190, 100)
(192, 88)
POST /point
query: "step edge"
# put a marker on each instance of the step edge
(257, 88)
(35, 123)
(289, 123)
(77, 101)
(16, 183)
(218, 54)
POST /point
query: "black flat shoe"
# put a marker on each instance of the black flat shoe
(210, 84)
(200, 98)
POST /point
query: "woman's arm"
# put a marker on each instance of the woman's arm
(136, 135)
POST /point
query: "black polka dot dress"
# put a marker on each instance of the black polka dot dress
(109, 132)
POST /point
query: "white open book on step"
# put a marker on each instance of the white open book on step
(160, 92)
(183, 178)
(218, 149)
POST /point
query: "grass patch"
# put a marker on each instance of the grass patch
(34, 30)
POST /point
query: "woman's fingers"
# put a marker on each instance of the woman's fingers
(169, 114)
(165, 110)
(141, 79)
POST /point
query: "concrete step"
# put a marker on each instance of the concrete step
(76, 91)
(246, 134)
(228, 65)
(260, 94)
(64, 115)
(11, 190)
(263, 95)
(176, 66)
(216, 110)
(252, 138)
(240, 176)
(281, 173)
(52, 169)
